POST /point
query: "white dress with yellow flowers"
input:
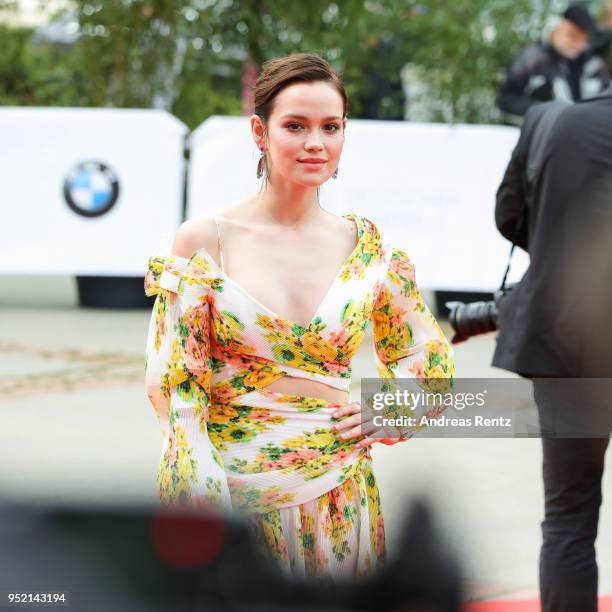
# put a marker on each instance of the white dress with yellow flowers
(212, 349)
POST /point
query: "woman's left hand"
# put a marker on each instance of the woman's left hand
(352, 426)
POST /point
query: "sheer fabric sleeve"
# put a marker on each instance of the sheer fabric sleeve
(408, 342)
(178, 379)
(178, 345)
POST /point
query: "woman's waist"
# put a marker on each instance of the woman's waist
(272, 486)
(293, 407)
(253, 440)
(259, 410)
(282, 452)
(232, 380)
(261, 405)
(312, 389)
(269, 430)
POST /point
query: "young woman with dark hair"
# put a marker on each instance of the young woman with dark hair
(258, 315)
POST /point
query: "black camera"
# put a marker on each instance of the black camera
(476, 318)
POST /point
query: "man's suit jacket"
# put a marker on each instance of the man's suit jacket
(558, 321)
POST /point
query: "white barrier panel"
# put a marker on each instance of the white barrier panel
(87, 191)
(430, 188)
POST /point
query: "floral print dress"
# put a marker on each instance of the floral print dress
(310, 497)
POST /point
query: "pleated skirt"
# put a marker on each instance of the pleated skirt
(339, 535)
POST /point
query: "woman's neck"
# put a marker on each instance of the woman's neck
(290, 205)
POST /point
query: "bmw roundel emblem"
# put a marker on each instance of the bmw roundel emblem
(91, 189)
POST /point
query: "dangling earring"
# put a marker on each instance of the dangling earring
(260, 164)
(335, 174)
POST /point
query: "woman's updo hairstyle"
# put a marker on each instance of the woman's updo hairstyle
(279, 73)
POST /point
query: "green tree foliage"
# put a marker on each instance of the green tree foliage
(189, 56)
(155, 53)
(15, 82)
(33, 72)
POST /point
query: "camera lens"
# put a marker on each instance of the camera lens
(473, 319)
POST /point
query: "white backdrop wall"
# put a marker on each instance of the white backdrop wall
(40, 234)
(429, 187)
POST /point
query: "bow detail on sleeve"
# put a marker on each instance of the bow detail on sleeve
(164, 272)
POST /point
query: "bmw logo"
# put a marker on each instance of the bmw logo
(91, 189)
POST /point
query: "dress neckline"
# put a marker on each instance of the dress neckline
(322, 303)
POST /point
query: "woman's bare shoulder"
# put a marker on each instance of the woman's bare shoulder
(349, 226)
(346, 227)
(195, 234)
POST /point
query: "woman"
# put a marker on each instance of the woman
(258, 314)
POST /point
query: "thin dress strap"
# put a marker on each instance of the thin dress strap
(219, 241)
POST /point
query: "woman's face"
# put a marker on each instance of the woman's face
(305, 133)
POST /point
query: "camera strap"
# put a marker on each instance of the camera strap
(503, 283)
(517, 233)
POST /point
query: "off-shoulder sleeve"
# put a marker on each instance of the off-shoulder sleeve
(178, 368)
(178, 344)
(408, 342)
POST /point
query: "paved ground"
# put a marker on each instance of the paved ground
(77, 424)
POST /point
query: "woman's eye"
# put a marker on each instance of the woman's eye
(333, 126)
(294, 126)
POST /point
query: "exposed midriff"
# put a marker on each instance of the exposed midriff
(310, 388)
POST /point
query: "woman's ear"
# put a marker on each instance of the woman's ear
(258, 130)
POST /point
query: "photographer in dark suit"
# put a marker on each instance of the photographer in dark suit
(555, 201)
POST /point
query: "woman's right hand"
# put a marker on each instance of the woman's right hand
(354, 426)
